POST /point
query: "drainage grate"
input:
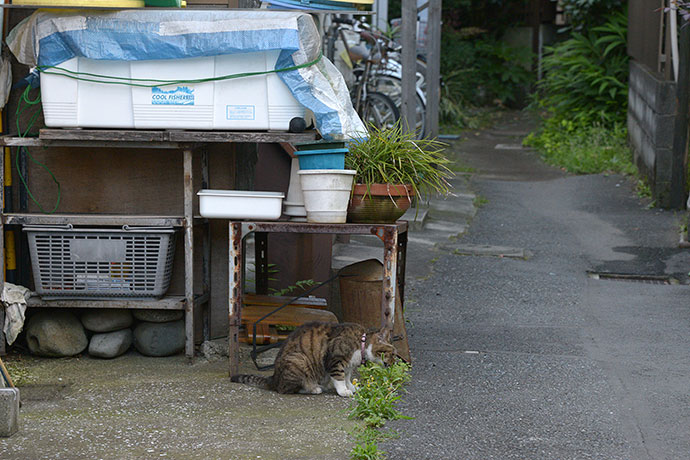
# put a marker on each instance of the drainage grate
(633, 278)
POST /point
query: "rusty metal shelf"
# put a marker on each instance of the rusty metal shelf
(393, 236)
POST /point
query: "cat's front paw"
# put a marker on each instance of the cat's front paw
(345, 393)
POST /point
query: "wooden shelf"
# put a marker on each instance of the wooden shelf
(133, 138)
(164, 303)
(168, 302)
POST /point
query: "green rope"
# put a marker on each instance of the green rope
(83, 76)
(20, 110)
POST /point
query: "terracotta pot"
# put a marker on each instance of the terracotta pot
(382, 203)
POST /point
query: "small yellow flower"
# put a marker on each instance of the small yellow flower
(354, 382)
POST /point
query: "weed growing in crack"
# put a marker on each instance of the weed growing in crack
(378, 392)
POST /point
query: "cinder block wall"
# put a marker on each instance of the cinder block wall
(651, 110)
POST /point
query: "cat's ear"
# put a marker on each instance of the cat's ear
(385, 334)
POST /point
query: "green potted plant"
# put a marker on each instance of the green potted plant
(392, 168)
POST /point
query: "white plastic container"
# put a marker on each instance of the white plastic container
(294, 202)
(326, 194)
(238, 204)
(250, 103)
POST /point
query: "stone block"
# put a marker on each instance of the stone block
(55, 333)
(106, 320)
(110, 344)
(9, 411)
(656, 92)
(159, 339)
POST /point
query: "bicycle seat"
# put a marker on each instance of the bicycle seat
(358, 53)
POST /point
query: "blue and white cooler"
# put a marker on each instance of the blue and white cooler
(184, 69)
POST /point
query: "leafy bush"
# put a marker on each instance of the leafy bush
(480, 69)
(586, 76)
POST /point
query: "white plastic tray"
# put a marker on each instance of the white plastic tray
(239, 204)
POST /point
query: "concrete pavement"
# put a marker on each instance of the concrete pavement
(521, 348)
(537, 357)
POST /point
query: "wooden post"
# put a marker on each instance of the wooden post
(2, 247)
(206, 253)
(188, 253)
(433, 69)
(535, 16)
(409, 63)
(680, 131)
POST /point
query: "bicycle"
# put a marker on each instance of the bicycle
(374, 107)
(384, 75)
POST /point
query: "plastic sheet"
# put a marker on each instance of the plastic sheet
(49, 38)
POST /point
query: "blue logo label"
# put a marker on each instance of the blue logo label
(182, 95)
(240, 112)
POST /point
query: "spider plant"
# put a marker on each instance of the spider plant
(391, 155)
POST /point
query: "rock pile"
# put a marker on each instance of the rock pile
(58, 333)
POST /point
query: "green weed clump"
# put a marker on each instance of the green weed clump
(584, 149)
(378, 392)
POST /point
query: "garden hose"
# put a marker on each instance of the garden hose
(29, 103)
(152, 82)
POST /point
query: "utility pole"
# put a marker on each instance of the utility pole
(680, 130)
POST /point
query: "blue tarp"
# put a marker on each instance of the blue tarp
(50, 38)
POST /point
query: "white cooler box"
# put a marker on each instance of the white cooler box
(248, 103)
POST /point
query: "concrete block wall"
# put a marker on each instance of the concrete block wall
(651, 115)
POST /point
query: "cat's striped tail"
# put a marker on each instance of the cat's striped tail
(254, 380)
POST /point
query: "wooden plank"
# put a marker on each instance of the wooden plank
(277, 301)
(165, 303)
(408, 35)
(149, 139)
(92, 219)
(240, 136)
(288, 316)
(113, 135)
(10, 141)
(433, 69)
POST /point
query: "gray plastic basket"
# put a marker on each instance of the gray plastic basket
(101, 263)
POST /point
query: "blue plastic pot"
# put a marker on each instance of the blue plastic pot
(321, 159)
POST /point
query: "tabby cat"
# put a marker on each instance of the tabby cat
(318, 356)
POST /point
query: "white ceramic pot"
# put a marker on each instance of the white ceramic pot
(326, 194)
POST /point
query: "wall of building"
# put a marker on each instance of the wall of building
(651, 111)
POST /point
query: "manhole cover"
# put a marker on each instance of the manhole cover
(633, 278)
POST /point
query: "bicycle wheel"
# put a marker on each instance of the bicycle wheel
(379, 110)
(392, 87)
